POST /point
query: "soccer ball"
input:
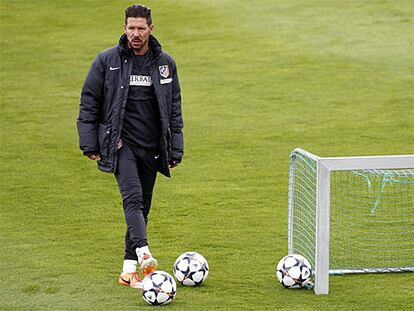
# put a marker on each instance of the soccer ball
(294, 271)
(191, 269)
(158, 288)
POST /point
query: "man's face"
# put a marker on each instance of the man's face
(138, 33)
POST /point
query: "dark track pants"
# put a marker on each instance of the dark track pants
(136, 174)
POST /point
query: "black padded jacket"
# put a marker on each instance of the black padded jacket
(103, 101)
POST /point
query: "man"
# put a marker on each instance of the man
(130, 122)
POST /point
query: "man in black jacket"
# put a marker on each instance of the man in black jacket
(130, 121)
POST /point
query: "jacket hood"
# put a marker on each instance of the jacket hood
(153, 43)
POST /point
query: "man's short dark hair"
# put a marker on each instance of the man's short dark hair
(138, 10)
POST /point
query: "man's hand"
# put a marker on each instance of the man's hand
(174, 164)
(94, 157)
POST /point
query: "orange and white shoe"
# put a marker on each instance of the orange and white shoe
(148, 263)
(133, 279)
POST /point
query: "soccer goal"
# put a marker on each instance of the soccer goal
(351, 214)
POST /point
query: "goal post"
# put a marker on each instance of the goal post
(351, 214)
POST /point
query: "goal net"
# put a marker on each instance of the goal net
(352, 214)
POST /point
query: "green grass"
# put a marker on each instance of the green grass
(259, 78)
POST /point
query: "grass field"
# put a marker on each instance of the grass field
(259, 78)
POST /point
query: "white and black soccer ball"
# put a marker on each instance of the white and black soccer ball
(191, 269)
(294, 271)
(158, 288)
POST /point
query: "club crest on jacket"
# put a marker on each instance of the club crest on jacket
(164, 71)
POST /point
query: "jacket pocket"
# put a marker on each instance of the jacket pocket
(104, 138)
